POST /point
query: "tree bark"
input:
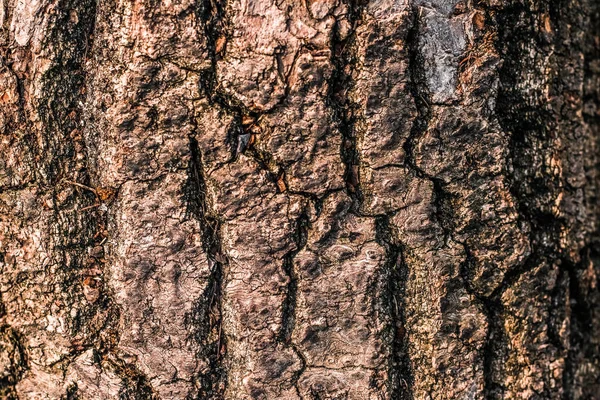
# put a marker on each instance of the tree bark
(320, 199)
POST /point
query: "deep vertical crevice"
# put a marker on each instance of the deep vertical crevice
(442, 202)
(558, 309)
(288, 317)
(134, 384)
(495, 350)
(400, 380)
(532, 123)
(244, 127)
(288, 311)
(584, 277)
(213, 15)
(419, 93)
(206, 318)
(11, 346)
(421, 96)
(344, 59)
(584, 345)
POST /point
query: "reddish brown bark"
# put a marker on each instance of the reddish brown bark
(253, 199)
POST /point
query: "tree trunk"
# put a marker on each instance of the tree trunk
(320, 199)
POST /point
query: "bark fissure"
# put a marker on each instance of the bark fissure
(135, 384)
(11, 343)
(288, 308)
(442, 199)
(347, 112)
(582, 318)
(399, 198)
(213, 14)
(206, 319)
(420, 124)
(533, 125)
(517, 119)
(241, 134)
(344, 59)
(395, 272)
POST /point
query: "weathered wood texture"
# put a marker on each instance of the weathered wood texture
(281, 199)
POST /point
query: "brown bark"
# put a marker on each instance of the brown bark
(321, 199)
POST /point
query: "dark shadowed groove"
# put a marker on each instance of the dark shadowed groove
(288, 312)
(64, 88)
(442, 199)
(344, 58)
(213, 13)
(525, 123)
(395, 274)
(72, 392)
(420, 95)
(347, 115)
(585, 301)
(61, 112)
(18, 361)
(299, 372)
(134, 384)
(206, 318)
(580, 322)
(217, 29)
(288, 308)
(494, 347)
(556, 314)
(583, 326)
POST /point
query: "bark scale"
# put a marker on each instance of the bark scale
(329, 199)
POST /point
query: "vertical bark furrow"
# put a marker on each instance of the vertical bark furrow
(46, 233)
(13, 358)
(141, 100)
(206, 317)
(288, 318)
(584, 334)
(539, 105)
(456, 145)
(395, 275)
(300, 157)
(344, 60)
(280, 199)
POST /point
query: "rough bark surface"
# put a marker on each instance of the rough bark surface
(280, 199)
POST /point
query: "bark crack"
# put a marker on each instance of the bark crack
(288, 317)
(441, 201)
(420, 125)
(395, 275)
(206, 318)
(344, 59)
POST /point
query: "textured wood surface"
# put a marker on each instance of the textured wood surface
(320, 199)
